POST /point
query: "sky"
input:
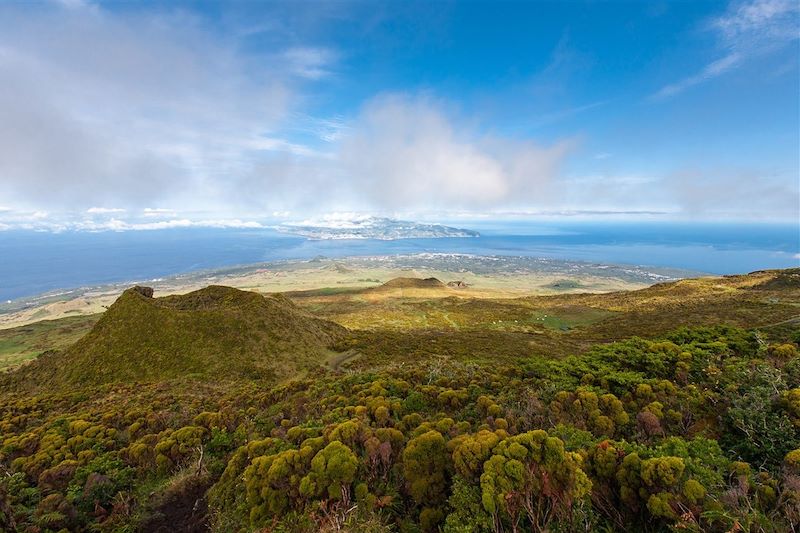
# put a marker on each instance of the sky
(140, 115)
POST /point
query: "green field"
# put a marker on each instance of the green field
(21, 344)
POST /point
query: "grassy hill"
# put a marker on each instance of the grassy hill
(214, 333)
(412, 283)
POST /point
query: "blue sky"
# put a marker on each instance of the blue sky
(157, 112)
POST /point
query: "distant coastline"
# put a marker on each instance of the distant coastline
(49, 263)
(509, 275)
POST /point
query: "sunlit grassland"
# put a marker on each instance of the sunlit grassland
(21, 344)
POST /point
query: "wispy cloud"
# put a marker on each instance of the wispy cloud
(331, 129)
(759, 23)
(710, 71)
(555, 116)
(310, 62)
(746, 30)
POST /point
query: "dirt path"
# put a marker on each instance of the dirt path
(782, 322)
(337, 359)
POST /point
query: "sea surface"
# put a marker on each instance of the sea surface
(37, 262)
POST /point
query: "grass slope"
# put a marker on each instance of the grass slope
(390, 327)
(213, 333)
(21, 344)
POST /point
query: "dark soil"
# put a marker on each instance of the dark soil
(182, 510)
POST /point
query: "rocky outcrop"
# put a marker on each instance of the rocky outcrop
(147, 292)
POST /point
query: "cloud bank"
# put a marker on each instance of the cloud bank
(407, 152)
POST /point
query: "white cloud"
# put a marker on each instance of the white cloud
(122, 225)
(340, 220)
(119, 110)
(104, 210)
(759, 23)
(403, 152)
(555, 116)
(747, 29)
(689, 192)
(117, 224)
(126, 107)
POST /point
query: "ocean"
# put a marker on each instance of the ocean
(37, 262)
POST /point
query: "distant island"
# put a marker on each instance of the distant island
(381, 228)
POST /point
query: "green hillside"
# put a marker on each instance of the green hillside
(673, 408)
(215, 333)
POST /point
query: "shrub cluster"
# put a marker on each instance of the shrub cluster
(697, 431)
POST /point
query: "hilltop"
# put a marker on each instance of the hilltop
(213, 333)
(413, 283)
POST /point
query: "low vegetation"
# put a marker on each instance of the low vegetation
(24, 343)
(675, 408)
